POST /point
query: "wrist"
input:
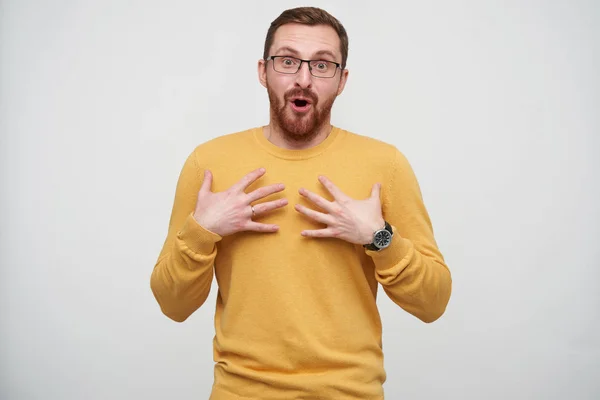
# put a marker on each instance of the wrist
(204, 224)
(370, 232)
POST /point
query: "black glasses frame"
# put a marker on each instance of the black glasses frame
(337, 66)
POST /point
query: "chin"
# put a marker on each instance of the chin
(299, 129)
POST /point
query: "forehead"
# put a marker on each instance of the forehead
(306, 40)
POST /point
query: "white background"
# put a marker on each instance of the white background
(495, 103)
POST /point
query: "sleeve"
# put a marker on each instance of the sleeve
(412, 270)
(183, 274)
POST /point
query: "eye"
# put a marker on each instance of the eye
(288, 61)
(321, 65)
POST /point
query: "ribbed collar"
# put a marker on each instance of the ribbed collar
(290, 154)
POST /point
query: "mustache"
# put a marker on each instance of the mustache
(301, 92)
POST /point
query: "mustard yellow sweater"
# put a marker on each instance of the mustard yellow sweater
(296, 317)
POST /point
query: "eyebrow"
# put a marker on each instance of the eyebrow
(295, 52)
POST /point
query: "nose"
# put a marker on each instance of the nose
(303, 76)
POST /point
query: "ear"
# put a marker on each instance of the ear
(343, 80)
(262, 72)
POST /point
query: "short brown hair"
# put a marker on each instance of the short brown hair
(308, 16)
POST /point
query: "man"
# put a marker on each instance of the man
(296, 314)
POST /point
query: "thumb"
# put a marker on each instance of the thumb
(207, 182)
(375, 192)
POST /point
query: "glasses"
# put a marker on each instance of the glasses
(291, 65)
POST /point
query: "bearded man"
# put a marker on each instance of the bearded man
(300, 222)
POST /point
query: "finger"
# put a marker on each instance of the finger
(248, 179)
(315, 215)
(316, 199)
(207, 182)
(320, 233)
(265, 191)
(258, 227)
(263, 208)
(331, 188)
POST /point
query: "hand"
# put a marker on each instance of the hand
(228, 212)
(354, 221)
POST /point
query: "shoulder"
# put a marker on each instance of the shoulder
(223, 145)
(371, 147)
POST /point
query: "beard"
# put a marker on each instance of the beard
(297, 127)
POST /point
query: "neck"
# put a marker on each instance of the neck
(276, 136)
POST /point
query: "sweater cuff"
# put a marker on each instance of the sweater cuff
(393, 254)
(196, 237)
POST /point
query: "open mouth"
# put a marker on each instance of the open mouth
(300, 105)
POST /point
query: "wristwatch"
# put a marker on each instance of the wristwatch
(381, 238)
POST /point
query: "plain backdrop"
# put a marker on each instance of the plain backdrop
(495, 103)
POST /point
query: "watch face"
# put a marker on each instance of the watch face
(382, 239)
